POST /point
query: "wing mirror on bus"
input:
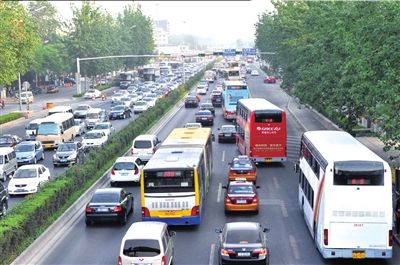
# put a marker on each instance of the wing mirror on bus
(172, 233)
(266, 230)
(296, 167)
(213, 137)
(218, 230)
(257, 187)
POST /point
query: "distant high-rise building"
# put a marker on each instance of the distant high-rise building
(161, 32)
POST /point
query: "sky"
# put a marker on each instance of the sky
(223, 21)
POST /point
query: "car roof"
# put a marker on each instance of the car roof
(241, 183)
(145, 230)
(145, 137)
(228, 126)
(31, 166)
(108, 190)
(6, 150)
(126, 159)
(206, 111)
(242, 225)
(28, 142)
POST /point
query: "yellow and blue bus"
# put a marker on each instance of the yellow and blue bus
(175, 181)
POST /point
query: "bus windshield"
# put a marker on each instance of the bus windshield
(168, 181)
(268, 116)
(48, 129)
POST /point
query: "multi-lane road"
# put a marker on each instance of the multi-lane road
(289, 239)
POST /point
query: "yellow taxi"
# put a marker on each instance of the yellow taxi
(242, 168)
(241, 196)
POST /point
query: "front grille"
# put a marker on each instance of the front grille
(47, 142)
(20, 185)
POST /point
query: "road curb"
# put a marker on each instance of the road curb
(49, 238)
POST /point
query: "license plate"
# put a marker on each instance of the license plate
(102, 210)
(63, 160)
(228, 134)
(47, 145)
(268, 160)
(358, 255)
(169, 212)
(204, 119)
(240, 179)
(141, 263)
(124, 174)
(241, 201)
(243, 254)
(20, 190)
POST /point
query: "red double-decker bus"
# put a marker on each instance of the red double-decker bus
(261, 130)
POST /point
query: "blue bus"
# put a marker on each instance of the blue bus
(232, 92)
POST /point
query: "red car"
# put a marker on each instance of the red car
(270, 80)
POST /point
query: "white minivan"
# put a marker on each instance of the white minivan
(144, 146)
(30, 129)
(8, 162)
(147, 243)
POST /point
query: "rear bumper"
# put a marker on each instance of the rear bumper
(252, 207)
(189, 220)
(269, 159)
(227, 261)
(129, 178)
(332, 253)
(104, 217)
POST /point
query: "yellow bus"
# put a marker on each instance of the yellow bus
(55, 129)
(175, 181)
(233, 74)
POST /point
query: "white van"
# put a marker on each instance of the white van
(60, 109)
(26, 97)
(95, 115)
(8, 162)
(147, 243)
(30, 129)
(144, 146)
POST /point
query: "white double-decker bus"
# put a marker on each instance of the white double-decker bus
(345, 195)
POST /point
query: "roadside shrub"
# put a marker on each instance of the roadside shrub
(10, 117)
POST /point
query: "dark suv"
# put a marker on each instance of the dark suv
(68, 153)
(3, 200)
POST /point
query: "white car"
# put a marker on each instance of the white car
(140, 106)
(80, 126)
(127, 101)
(117, 97)
(126, 169)
(254, 73)
(201, 90)
(92, 93)
(105, 127)
(81, 111)
(94, 138)
(134, 98)
(27, 179)
(150, 101)
(26, 97)
(192, 125)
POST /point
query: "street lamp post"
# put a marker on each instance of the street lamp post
(19, 91)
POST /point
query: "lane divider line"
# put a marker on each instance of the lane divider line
(212, 251)
(219, 192)
(295, 248)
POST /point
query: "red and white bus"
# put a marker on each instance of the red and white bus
(261, 130)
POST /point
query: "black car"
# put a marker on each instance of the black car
(216, 100)
(120, 112)
(227, 133)
(242, 242)
(205, 117)
(68, 153)
(8, 140)
(191, 101)
(110, 204)
(3, 200)
(207, 106)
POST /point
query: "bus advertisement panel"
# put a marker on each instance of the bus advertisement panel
(261, 128)
(232, 92)
(345, 196)
(175, 181)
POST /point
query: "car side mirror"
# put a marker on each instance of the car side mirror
(213, 137)
(266, 230)
(219, 129)
(296, 167)
(229, 163)
(257, 187)
(224, 187)
(218, 230)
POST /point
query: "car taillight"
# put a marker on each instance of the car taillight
(226, 252)
(260, 251)
(251, 172)
(118, 209)
(112, 171)
(255, 199)
(145, 212)
(163, 260)
(119, 260)
(390, 238)
(88, 209)
(136, 170)
(227, 199)
(195, 211)
(326, 237)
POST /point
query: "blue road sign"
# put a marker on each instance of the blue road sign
(229, 52)
(249, 51)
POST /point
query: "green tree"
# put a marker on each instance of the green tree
(18, 40)
(44, 17)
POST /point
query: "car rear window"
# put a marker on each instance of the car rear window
(141, 248)
(228, 129)
(124, 165)
(240, 189)
(243, 236)
(105, 197)
(142, 144)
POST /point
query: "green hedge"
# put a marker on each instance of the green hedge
(27, 220)
(10, 117)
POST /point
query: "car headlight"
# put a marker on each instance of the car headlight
(72, 156)
(54, 157)
(30, 156)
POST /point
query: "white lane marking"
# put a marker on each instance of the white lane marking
(219, 192)
(276, 183)
(212, 251)
(223, 156)
(276, 202)
(295, 248)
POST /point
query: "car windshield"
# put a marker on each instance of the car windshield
(206, 105)
(66, 147)
(25, 173)
(118, 107)
(203, 113)
(92, 116)
(48, 129)
(228, 129)
(140, 103)
(100, 197)
(93, 135)
(100, 127)
(25, 148)
(148, 99)
(240, 189)
(142, 144)
(125, 99)
(191, 98)
(5, 140)
(243, 236)
(118, 95)
(32, 126)
(141, 248)
(82, 107)
(124, 166)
